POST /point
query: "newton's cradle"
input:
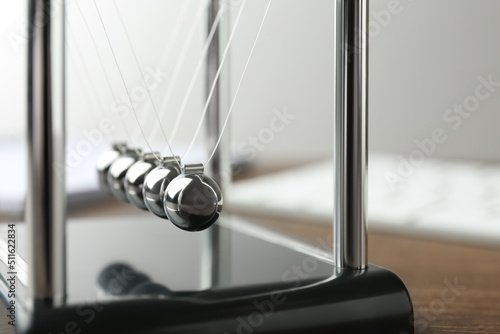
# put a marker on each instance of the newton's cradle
(244, 289)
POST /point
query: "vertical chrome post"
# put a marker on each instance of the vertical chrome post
(45, 197)
(217, 250)
(350, 126)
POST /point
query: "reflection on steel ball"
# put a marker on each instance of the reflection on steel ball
(156, 183)
(134, 179)
(193, 200)
(117, 172)
(104, 163)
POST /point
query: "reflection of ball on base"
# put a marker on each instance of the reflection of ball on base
(156, 184)
(134, 179)
(193, 201)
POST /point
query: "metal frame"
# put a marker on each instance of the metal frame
(350, 127)
(46, 197)
(217, 254)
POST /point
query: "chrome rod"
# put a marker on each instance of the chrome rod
(350, 126)
(217, 252)
(45, 195)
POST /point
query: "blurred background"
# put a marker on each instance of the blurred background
(424, 58)
(434, 153)
(433, 96)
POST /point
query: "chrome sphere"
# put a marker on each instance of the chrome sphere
(193, 201)
(104, 163)
(156, 183)
(117, 172)
(134, 179)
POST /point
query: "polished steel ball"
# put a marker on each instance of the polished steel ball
(193, 200)
(117, 172)
(104, 163)
(134, 179)
(156, 183)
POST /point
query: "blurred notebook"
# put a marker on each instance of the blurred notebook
(443, 199)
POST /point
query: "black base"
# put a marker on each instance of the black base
(276, 285)
(374, 301)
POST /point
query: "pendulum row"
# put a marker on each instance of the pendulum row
(183, 194)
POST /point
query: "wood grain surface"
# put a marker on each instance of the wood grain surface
(429, 268)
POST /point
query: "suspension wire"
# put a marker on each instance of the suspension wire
(134, 54)
(99, 111)
(122, 79)
(175, 33)
(239, 84)
(175, 75)
(217, 74)
(196, 72)
(101, 63)
(191, 85)
(163, 59)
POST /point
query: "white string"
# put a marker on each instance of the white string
(175, 32)
(163, 59)
(196, 72)
(169, 47)
(87, 96)
(191, 83)
(101, 63)
(217, 74)
(177, 68)
(100, 112)
(239, 84)
(145, 85)
(123, 80)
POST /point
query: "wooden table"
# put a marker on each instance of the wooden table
(427, 267)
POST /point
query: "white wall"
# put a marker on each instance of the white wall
(427, 56)
(12, 66)
(428, 59)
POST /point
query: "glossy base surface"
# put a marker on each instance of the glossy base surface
(274, 289)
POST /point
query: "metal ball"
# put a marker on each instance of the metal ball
(134, 179)
(120, 279)
(117, 172)
(156, 183)
(193, 201)
(104, 163)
